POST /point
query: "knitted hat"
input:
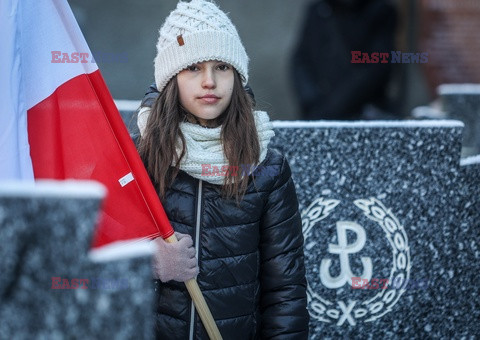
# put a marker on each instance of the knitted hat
(197, 31)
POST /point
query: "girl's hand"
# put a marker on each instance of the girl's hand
(175, 261)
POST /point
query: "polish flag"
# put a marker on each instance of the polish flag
(58, 119)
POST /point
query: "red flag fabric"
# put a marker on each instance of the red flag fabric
(74, 128)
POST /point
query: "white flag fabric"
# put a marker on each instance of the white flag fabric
(32, 33)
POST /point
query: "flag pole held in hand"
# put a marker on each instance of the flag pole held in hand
(200, 303)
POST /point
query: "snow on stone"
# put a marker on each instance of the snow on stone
(470, 160)
(447, 89)
(52, 188)
(368, 124)
(123, 250)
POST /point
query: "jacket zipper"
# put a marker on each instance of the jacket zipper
(197, 247)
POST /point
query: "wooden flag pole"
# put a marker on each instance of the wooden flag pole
(200, 303)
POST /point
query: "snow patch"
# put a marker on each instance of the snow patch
(53, 188)
(368, 124)
(470, 160)
(127, 105)
(123, 250)
(447, 89)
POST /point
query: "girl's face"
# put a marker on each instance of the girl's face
(206, 89)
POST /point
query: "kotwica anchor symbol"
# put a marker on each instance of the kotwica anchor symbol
(343, 249)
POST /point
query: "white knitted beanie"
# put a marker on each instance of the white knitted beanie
(197, 31)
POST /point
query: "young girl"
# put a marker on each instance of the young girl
(230, 198)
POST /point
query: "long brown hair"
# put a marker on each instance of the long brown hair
(238, 135)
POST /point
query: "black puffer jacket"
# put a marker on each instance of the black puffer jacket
(251, 261)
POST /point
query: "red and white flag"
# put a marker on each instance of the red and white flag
(58, 119)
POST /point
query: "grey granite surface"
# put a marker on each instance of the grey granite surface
(45, 235)
(386, 201)
(467, 268)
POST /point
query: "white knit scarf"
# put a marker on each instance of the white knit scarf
(204, 149)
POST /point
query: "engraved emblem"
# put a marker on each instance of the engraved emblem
(331, 298)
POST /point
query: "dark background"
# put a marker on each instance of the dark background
(269, 30)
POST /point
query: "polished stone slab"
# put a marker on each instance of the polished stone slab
(380, 200)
